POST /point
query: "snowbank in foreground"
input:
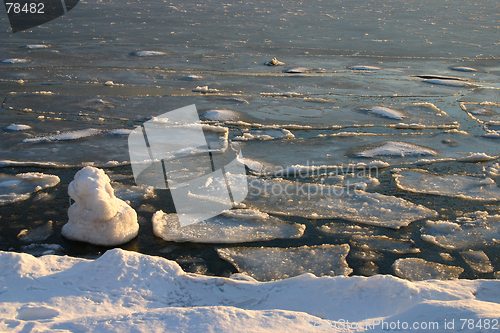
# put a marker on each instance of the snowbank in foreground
(127, 291)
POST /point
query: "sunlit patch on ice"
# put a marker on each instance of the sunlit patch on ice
(17, 127)
(383, 111)
(464, 187)
(315, 201)
(273, 263)
(21, 186)
(397, 149)
(417, 269)
(472, 229)
(233, 226)
(478, 261)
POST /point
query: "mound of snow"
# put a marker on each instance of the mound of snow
(97, 216)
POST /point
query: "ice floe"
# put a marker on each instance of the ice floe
(65, 136)
(418, 269)
(315, 201)
(472, 229)
(274, 62)
(14, 61)
(97, 216)
(383, 243)
(386, 112)
(233, 226)
(478, 261)
(221, 115)
(364, 68)
(264, 133)
(17, 127)
(463, 69)
(450, 83)
(299, 70)
(273, 263)
(464, 187)
(398, 149)
(487, 113)
(148, 53)
(37, 234)
(35, 46)
(14, 188)
(348, 229)
(205, 89)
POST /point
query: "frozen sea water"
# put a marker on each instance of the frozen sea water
(466, 187)
(373, 86)
(417, 269)
(268, 264)
(233, 226)
(478, 261)
(21, 186)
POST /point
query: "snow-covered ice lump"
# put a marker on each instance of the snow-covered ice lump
(97, 216)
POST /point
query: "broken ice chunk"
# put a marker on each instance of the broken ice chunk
(478, 261)
(36, 234)
(97, 216)
(65, 136)
(314, 201)
(341, 228)
(274, 263)
(384, 243)
(417, 269)
(148, 53)
(17, 127)
(398, 149)
(19, 187)
(464, 187)
(477, 228)
(233, 226)
(265, 133)
(364, 68)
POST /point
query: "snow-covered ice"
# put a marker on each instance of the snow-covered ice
(233, 226)
(478, 261)
(398, 149)
(418, 269)
(264, 134)
(464, 187)
(274, 263)
(472, 229)
(125, 291)
(97, 216)
(20, 187)
(316, 201)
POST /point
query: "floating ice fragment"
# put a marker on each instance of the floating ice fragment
(220, 115)
(148, 53)
(205, 89)
(274, 263)
(37, 234)
(364, 68)
(35, 46)
(399, 149)
(233, 226)
(477, 157)
(417, 269)
(42, 249)
(450, 83)
(97, 216)
(477, 228)
(289, 198)
(384, 243)
(478, 261)
(274, 62)
(264, 133)
(17, 127)
(299, 70)
(65, 136)
(19, 187)
(463, 69)
(464, 187)
(120, 131)
(342, 228)
(14, 61)
(386, 112)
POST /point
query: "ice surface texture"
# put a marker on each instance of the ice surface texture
(126, 291)
(417, 269)
(315, 201)
(21, 186)
(464, 187)
(472, 229)
(233, 226)
(97, 216)
(274, 263)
